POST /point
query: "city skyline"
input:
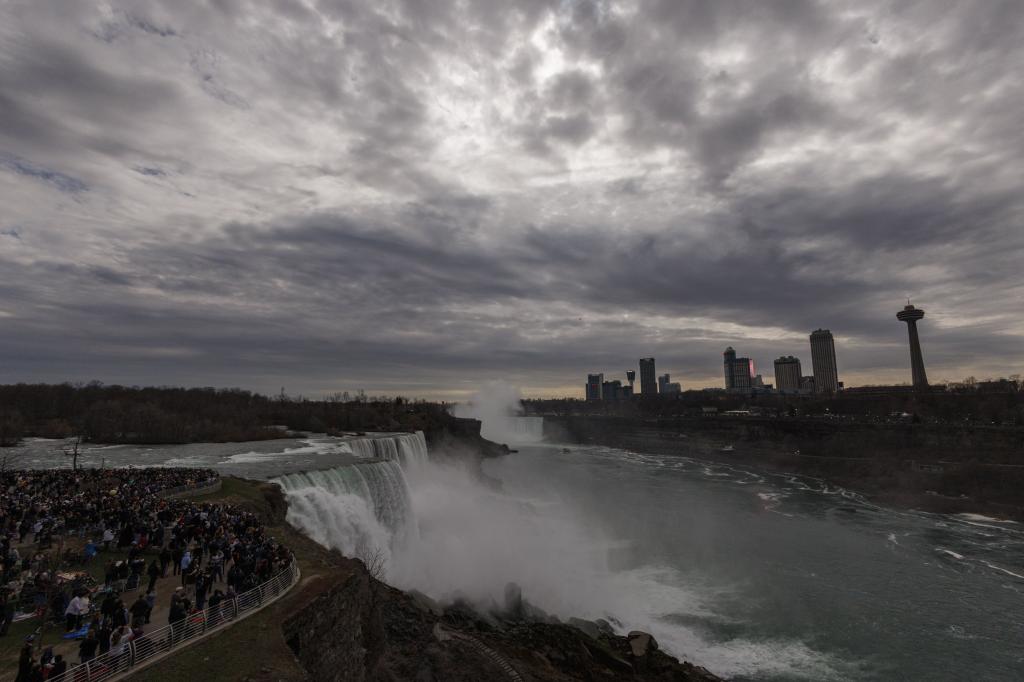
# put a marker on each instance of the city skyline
(420, 198)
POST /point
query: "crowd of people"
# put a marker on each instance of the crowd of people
(218, 550)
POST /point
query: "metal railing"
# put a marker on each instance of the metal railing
(151, 645)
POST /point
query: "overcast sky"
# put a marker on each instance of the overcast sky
(416, 197)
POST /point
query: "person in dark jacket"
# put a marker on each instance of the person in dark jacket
(60, 666)
(139, 610)
(25, 662)
(88, 646)
(154, 574)
(165, 560)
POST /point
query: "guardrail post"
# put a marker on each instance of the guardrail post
(88, 673)
(131, 653)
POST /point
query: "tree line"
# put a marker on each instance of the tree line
(129, 414)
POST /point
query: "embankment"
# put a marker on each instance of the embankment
(947, 469)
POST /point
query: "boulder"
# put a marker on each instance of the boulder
(641, 643)
(587, 627)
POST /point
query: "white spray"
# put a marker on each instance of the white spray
(497, 406)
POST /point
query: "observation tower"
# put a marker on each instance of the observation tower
(911, 315)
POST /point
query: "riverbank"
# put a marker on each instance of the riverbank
(342, 623)
(933, 469)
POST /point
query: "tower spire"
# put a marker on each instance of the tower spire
(911, 315)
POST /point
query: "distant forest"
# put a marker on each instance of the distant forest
(122, 414)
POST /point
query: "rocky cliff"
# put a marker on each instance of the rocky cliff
(356, 628)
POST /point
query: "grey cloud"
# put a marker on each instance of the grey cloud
(63, 182)
(421, 198)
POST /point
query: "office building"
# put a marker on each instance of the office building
(807, 384)
(911, 315)
(823, 362)
(648, 385)
(631, 378)
(787, 374)
(594, 383)
(611, 390)
(666, 386)
(739, 372)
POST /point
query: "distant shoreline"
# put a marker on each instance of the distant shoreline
(904, 466)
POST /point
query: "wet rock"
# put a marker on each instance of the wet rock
(641, 643)
(426, 603)
(587, 627)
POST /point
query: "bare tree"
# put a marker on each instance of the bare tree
(73, 450)
(11, 427)
(8, 458)
(376, 561)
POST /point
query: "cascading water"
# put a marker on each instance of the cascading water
(362, 509)
(410, 449)
(527, 429)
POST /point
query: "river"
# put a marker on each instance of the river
(774, 577)
(756, 576)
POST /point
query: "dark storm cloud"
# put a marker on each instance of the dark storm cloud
(423, 196)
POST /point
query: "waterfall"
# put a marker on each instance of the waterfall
(528, 429)
(362, 509)
(410, 449)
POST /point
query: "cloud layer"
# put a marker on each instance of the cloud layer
(421, 196)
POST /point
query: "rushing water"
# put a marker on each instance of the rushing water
(776, 577)
(756, 576)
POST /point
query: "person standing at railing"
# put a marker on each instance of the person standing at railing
(140, 611)
(118, 643)
(59, 667)
(87, 648)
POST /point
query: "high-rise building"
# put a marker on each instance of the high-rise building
(787, 374)
(911, 315)
(728, 357)
(631, 378)
(739, 372)
(648, 385)
(611, 390)
(594, 382)
(668, 387)
(823, 362)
